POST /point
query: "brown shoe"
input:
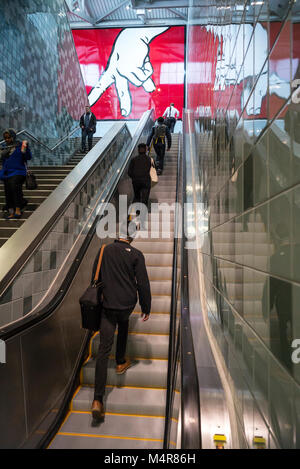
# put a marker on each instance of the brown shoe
(97, 410)
(120, 369)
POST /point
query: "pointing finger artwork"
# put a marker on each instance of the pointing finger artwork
(128, 71)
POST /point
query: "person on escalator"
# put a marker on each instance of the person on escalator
(158, 135)
(124, 275)
(14, 155)
(139, 172)
(171, 114)
(88, 128)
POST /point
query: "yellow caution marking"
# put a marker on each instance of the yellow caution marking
(259, 442)
(219, 440)
(65, 419)
(75, 394)
(86, 385)
(121, 414)
(109, 436)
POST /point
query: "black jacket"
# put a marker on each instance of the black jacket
(139, 168)
(168, 135)
(123, 272)
(92, 122)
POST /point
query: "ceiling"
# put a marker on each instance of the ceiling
(124, 13)
(103, 13)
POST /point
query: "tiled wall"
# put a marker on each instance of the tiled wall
(34, 280)
(247, 140)
(41, 86)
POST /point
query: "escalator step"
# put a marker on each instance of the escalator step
(142, 400)
(118, 432)
(141, 374)
(140, 345)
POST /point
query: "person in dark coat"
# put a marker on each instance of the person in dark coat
(160, 133)
(123, 273)
(139, 172)
(14, 155)
(88, 126)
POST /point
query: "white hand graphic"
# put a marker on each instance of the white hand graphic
(128, 62)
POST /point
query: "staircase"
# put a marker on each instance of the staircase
(48, 178)
(135, 401)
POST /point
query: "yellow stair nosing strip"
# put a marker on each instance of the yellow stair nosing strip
(122, 414)
(65, 419)
(148, 333)
(142, 358)
(109, 436)
(73, 397)
(127, 387)
(152, 312)
(87, 385)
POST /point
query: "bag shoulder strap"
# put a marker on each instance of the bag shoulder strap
(99, 264)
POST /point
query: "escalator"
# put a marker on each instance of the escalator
(136, 401)
(46, 359)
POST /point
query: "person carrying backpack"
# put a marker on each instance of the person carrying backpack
(159, 134)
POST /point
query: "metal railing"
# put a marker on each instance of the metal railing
(181, 352)
(36, 140)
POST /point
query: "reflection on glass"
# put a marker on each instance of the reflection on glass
(279, 70)
(253, 260)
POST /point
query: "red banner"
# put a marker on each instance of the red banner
(127, 71)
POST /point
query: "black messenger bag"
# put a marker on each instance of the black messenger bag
(91, 301)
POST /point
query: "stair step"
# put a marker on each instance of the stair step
(12, 223)
(8, 231)
(159, 304)
(141, 374)
(140, 401)
(139, 345)
(157, 323)
(149, 247)
(160, 259)
(119, 432)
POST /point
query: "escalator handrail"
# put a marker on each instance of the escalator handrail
(36, 140)
(18, 248)
(9, 331)
(172, 329)
(190, 399)
(190, 394)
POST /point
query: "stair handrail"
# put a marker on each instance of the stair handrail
(33, 137)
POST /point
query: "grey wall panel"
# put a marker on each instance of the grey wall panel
(46, 368)
(12, 411)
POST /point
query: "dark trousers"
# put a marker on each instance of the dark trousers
(171, 123)
(13, 191)
(160, 149)
(109, 320)
(141, 191)
(89, 135)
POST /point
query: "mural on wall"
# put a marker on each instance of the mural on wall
(127, 71)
